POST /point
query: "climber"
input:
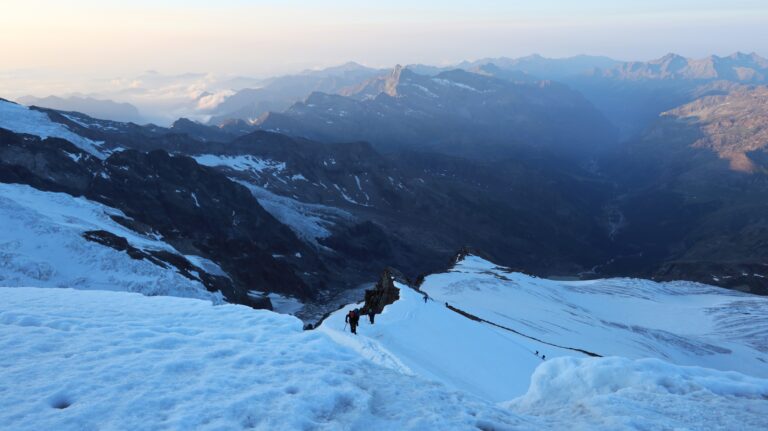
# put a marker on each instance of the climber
(371, 314)
(353, 317)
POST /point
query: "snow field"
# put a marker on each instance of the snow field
(683, 323)
(87, 360)
(569, 390)
(620, 393)
(428, 340)
(41, 244)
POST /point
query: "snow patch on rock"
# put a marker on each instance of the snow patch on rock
(241, 163)
(21, 119)
(309, 222)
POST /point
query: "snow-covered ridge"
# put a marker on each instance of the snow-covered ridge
(20, 119)
(682, 322)
(677, 324)
(42, 244)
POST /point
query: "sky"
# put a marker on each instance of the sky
(78, 39)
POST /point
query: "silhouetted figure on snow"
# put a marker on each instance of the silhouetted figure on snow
(426, 298)
(543, 357)
(371, 315)
(353, 317)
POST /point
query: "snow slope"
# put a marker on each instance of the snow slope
(705, 326)
(645, 394)
(430, 341)
(81, 360)
(20, 119)
(684, 323)
(87, 360)
(41, 244)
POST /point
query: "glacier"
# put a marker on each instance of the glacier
(42, 245)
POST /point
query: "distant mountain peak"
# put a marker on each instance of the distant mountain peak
(670, 57)
(348, 67)
(738, 55)
(351, 65)
(183, 121)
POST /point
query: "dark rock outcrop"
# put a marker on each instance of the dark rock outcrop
(168, 260)
(383, 294)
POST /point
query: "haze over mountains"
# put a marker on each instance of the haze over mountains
(578, 167)
(163, 98)
(105, 109)
(455, 112)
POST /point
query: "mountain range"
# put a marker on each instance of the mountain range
(454, 112)
(403, 167)
(279, 93)
(630, 94)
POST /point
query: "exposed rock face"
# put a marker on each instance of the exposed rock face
(383, 294)
(739, 275)
(167, 259)
(733, 125)
(198, 210)
(694, 194)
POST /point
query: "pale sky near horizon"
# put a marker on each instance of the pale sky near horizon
(263, 37)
